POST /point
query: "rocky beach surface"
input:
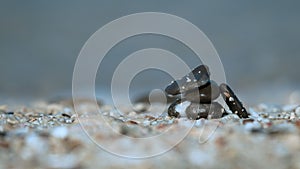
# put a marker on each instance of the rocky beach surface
(53, 135)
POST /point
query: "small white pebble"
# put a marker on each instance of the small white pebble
(146, 123)
(253, 126)
(60, 132)
(181, 108)
(132, 113)
(230, 118)
(259, 119)
(272, 118)
(140, 107)
(287, 116)
(297, 111)
(69, 121)
(293, 116)
(188, 79)
(153, 123)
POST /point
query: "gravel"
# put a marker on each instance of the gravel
(52, 135)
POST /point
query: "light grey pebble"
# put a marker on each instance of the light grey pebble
(153, 123)
(146, 123)
(255, 126)
(289, 108)
(59, 132)
(230, 118)
(293, 116)
(68, 121)
(140, 107)
(297, 111)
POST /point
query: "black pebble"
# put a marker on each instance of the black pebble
(232, 101)
(3, 133)
(9, 113)
(203, 94)
(172, 88)
(196, 111)
(198, 77)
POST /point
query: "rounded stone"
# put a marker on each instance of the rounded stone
(196, 111)
(198, 77)
(205, 94)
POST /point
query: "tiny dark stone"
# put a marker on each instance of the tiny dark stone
(9, 113)
(44, 134)
(125, 130)
(132, 122)
(150, 117)
(248, 121)
(66, 115)
(3, 133)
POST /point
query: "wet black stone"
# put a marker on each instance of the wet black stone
(201, 73)
(203, 94)
(198, 77)
(172, 88)
(197, 88)
(232, 101)
(196, 111)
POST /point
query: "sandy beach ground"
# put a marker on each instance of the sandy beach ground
(53, 135)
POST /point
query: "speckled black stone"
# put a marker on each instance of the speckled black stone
(203, 94)
(234, 104)
(196, 111)
(196, 78)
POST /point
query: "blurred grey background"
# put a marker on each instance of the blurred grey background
(258, 43)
